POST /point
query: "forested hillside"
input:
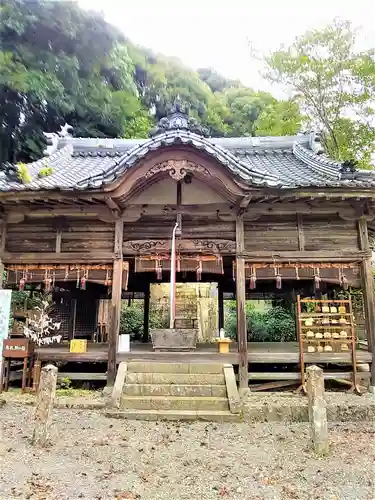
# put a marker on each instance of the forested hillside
(60, 64)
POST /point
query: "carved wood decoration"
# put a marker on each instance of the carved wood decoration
(143, 247)
(177, 169)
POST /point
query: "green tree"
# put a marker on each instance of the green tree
(59, 63)
(253, 113)
(335, 86)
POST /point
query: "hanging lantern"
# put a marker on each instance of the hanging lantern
(77, 283)
(66, 274)
(199, 271)
(22, 283)
(343, 279)
(106, 278)
(317, 278)
(47, 282)
(159, 270)
(278, 278)
(253, 278)
(297, 274)
(83, 281)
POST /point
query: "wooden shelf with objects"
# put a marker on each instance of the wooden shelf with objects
(326, 326)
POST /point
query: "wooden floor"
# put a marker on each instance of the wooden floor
(258, 352)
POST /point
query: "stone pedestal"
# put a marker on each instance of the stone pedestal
(174, 339)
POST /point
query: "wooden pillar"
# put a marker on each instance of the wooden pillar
(220, 295)
(3, 229)
(240, 306)
(115, 303)
(368, 292)
(146, 314)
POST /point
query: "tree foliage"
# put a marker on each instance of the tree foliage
(60, 64)
(335, 85)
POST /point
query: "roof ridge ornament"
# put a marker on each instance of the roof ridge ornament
(178, 118)
(53, 139)
(315, 142)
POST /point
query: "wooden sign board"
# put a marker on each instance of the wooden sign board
(17, 348)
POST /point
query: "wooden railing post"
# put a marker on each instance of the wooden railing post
(317, 409)
(240, 307)
(368, 293)
(116, 303)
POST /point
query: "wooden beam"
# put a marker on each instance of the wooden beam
(15, 216)
(58, 258)
(240, 306)
(111, 204)
(305, 256)
(115, 302)
(368, 292)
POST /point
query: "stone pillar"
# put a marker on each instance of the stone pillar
(317, 409)
(44, 405)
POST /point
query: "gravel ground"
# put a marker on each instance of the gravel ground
(93, 457)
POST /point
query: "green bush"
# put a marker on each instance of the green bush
(274, 325)
(131, 320)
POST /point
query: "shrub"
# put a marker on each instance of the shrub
(274, 325)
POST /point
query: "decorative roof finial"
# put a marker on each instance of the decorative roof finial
(178, 119)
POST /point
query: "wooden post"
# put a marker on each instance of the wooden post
(146, 314)
(317, 409)
(368, 293)
(115, 303)
(240, 307)
(220, 295)
(44, 405)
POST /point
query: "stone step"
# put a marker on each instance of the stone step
(176, 378)
(218, 391)
(150, 367)
(186, 415)
(174, 403)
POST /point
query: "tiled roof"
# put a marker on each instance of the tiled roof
(282, 162)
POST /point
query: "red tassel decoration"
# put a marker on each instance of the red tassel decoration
(253, 279)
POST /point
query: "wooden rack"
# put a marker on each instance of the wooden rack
(326, 327)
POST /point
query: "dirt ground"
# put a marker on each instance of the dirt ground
(93, 457)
